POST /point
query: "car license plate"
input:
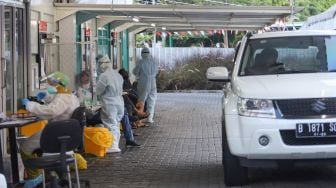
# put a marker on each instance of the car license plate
(326, 129)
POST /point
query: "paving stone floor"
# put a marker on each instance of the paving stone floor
(183, 150)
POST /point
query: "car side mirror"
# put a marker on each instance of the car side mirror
(218, 74)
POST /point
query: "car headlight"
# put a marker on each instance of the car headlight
(256, 108)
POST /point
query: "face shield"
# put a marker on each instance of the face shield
(104, 63)
(58, 78)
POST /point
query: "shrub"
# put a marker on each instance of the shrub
(190, 73)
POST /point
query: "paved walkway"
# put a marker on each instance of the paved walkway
(182, 149)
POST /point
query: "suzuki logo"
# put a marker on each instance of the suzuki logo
(318, 105)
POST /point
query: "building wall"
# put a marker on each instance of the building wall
(325, 20)
(43, 10)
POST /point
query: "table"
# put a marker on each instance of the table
(11, 125)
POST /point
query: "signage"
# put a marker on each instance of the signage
(43, 26)
(87, 32)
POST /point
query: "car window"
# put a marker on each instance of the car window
(288, 55)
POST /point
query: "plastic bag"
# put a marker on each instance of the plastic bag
(81, 162)
(99, 136)
(97, 140)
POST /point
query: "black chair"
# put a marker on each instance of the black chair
(79, 114)
(58, 138)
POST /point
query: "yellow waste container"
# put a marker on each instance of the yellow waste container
(97, 140)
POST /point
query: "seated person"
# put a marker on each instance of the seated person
(60, 103)
(130, 99)
(265, 62)
(84, 94)
(84, 91)
(85, 99)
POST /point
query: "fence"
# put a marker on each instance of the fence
(168, 57)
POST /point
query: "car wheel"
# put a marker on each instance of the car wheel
(234, 174)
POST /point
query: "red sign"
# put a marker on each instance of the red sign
(87, 32)
(43, 26)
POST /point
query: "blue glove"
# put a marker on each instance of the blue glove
(24, 101)
(41, 95)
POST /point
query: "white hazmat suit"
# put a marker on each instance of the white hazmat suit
(109, 89)
(60, 108)
(146, 70)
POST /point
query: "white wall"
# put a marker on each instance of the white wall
(43, 6)
(105, 2)
(325, 20)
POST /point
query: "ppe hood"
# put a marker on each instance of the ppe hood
(289, 86)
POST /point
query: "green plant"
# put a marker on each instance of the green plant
(189, 73)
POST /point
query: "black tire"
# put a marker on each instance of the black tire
(234, 173)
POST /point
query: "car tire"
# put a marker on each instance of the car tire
(234, 173)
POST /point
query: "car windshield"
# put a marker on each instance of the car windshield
(289, 55)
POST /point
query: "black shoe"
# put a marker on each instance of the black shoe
(131, 144)
(135, 134)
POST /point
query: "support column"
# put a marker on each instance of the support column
(125, 53)
(67, 47)
(171, 40)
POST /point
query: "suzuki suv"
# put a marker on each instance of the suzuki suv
(279, 105)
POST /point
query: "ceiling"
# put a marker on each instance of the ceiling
(182, 17)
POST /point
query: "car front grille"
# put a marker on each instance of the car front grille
(289, 138)
(298, 108)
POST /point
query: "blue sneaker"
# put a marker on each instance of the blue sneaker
(31, 183)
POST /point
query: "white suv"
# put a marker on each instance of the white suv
(279, 106)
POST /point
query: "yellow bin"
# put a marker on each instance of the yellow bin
(97, 140)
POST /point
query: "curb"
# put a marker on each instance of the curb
(191, 91)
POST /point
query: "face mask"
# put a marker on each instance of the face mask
(145, 55)
(86, 86)
(52, 90)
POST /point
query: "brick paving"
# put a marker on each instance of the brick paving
(183, 150)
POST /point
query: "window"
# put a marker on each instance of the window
(288, 55)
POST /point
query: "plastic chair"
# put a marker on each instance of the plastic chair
(57, 138)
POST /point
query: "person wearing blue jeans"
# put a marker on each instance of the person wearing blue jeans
(128, 133)
(126, 125)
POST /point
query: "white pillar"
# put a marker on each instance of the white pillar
(67, 47)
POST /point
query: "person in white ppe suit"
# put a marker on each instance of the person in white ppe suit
(109, 90)
(146, 70)
(60, 103)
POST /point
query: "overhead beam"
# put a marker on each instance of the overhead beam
(181, 16)
(137, 28)
(180, 8)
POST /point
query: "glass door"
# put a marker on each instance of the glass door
(13, 85)
(14, 60)
(8, 62)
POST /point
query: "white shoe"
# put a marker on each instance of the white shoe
(113, 150)
(150, 120)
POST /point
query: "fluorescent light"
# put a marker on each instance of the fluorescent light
(163, 28)
(153, 24)
(135, 19)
